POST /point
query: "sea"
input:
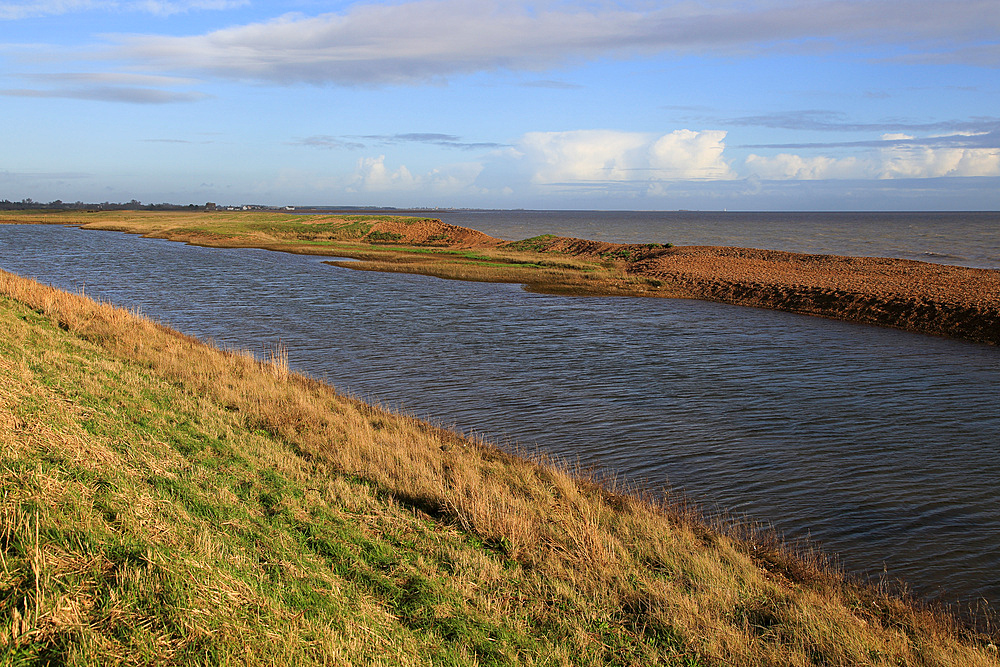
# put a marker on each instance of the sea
(959, 238)
(879, 447)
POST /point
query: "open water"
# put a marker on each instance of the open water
(881, 446)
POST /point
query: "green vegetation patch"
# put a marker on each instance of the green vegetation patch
(634, 253)
(507, 265)
(533, 244)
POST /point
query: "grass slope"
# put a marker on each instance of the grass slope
(166, 502)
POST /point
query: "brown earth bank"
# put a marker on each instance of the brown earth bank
(952, 301)
(415, 231)
(435, 232)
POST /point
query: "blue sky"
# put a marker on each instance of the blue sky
(629, 104)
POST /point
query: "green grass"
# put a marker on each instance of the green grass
(533, 244)
(499, 260)
(526, 265)
(189, 546)
(224, 224)
(164, 502)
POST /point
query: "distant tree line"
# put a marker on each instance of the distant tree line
(59, 205)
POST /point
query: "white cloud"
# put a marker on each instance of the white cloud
(896, 160)
(926, 162)
(424, 40)
(786, 166)
(603, 156)
(372, 175)
(685, 154)
(583, 155)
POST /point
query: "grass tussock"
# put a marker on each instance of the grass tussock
(166, 502)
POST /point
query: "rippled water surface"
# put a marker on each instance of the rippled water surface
(883, 446)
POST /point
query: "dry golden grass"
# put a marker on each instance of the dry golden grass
(164, 501)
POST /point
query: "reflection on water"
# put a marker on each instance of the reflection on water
(880, 444)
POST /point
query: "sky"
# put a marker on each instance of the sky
(628, 104)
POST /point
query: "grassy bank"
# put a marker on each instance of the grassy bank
(167, 502)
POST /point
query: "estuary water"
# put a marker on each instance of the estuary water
(881, 446)
(961, 238)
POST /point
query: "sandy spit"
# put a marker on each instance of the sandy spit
(952, 301)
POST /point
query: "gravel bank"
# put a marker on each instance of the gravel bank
(952, 301)
(930, 298)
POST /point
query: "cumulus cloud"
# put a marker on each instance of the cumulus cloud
(598, 161)
(372, 175)
(583, 155)
(926, 162)
(900, 156)
(22, 10)
(426, 40)
(785, 166)
(684, 154)
(606, 156)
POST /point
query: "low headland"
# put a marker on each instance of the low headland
(952, 301)
(167, 502)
